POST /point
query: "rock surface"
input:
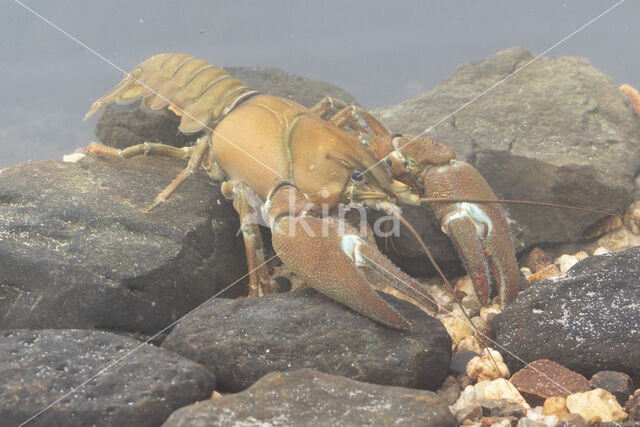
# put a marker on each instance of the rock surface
(39, 367)
(617, 383)
(588, 321)
(122, 125)
(542, 379)
(308, 397)
(77, 250)
(242, 340)
(558, 130)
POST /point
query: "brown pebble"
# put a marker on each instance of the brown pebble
(536, 260)
(548, 272)
(555, 405)
(533, 381)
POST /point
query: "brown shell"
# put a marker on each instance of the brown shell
(190, 87)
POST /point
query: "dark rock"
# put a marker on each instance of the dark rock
(79, 368)
(541, 379)
(501, 408)
(557, 131)
(460, 360)
(588, 321)
(449, 390)
(307, 397)
(77, 250)
(242, 340)
(617, 383)
(122, 125)
(302, 90)
(632, 406)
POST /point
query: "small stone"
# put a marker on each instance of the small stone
(497, 421)
(581, 255)
(555, 405)
(501, 408)
(471, 412)
(526, 271)
(548, 272)
(464, 381)
(537, 260)
(601, 251)
(542, 378)
(489, 366)
(572, 420)
(503, 389)
(489, 312)
(632, 406)
(73, 157)
(632, 217)
(619, 239)
(596, 405)
(479, 390)
(469, 344)
(458, 329)
(527, 422)
(458, 364)
(617, 383)
(565, 262)
(449, 390)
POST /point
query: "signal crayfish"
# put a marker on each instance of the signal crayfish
(305, 162)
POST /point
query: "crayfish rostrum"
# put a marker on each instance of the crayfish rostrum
(305, 161)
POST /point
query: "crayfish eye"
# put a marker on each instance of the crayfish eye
(388, 162)
(357, 177)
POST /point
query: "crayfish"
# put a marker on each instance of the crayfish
(305, 161)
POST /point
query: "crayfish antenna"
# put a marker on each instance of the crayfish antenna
(445, 281)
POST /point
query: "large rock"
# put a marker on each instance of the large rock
(307, 397)
(77, 249)
(558, 130)
(93, 378)
(588, 321)
(242, 340)
(122, 125)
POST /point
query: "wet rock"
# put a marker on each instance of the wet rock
(142, 389)
(565, 262)
(526, 422)
(488, 366)
(544, 378)
(122, 125)
(459, 361)
(572, 420)
(449, 391)
(77, 250)
(555, 405)
(548, 272)
(308, 397)
(558, 130)
(471, 412)
(501, 408)
(587, 321)
(617, 383)
(632, 406)
(536, 260)
(596, 405)
(503, 389)
(242, 340)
